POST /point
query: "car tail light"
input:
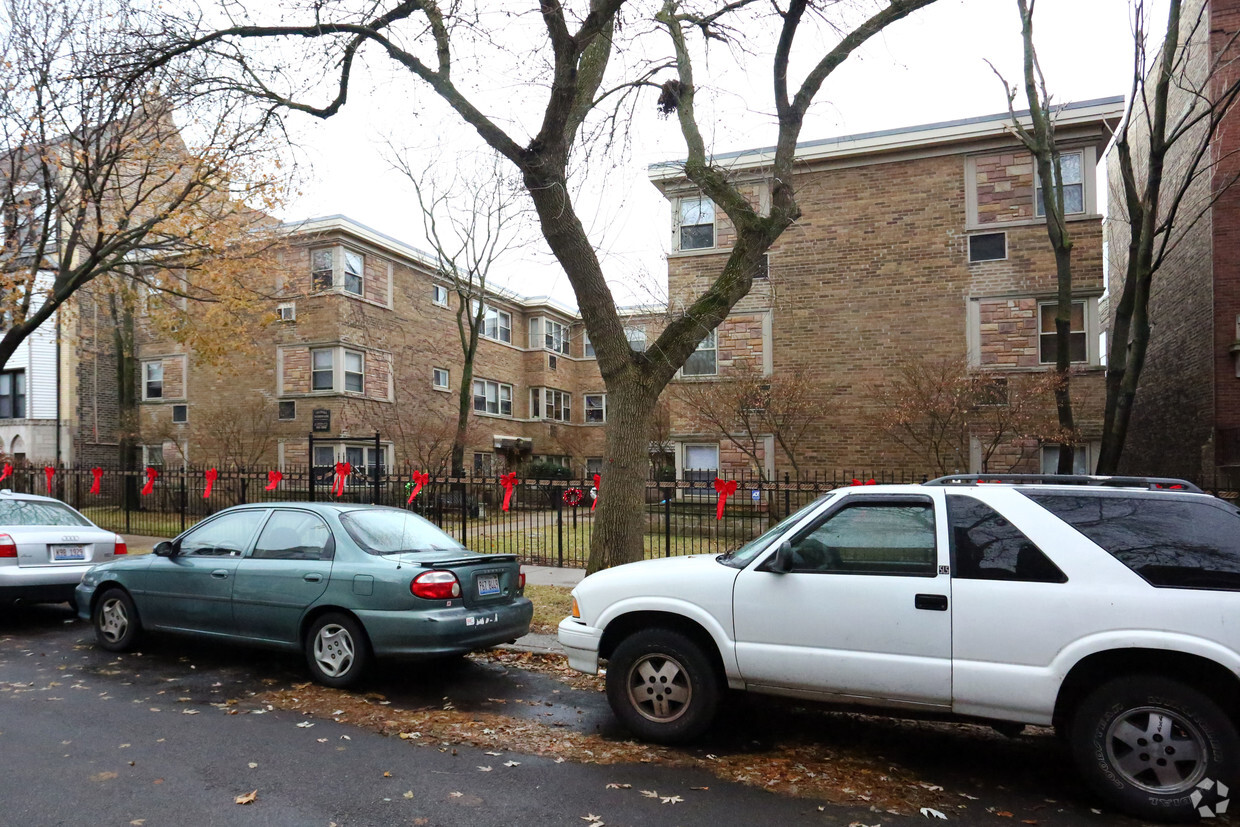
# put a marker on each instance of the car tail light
(436, 585)
(119, 547)
(520, 579)
(7, 547)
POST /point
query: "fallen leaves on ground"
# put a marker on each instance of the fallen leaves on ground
(248, 798)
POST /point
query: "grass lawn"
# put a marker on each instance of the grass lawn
(551, 605)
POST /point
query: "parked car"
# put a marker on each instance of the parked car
(46, 547)
(342, 583)
(1107, 608)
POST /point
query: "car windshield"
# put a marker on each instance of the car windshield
(743, 556)
(390, 530)
(38, 512)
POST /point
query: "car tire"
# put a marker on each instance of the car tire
(117, 627)
(337, 650)
(662, 686)
(1155, 748)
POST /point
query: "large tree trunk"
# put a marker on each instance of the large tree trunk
(1063, 351)
(620, 520)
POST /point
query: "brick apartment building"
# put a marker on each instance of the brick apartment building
(921, 242)
(1186, 415)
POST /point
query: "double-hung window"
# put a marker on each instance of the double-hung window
(439, 295)
(354, 371)
(492, 397)
(548, 403)
(697, 223)
(354, 269)
(555, 336)
(326, 261)
(322, 369)
(496, 324)
(13, 394)
(1071, 169)
(322, 272)
(587, 347)
(439, 378)
(636, 337)
(703, 361)
(153, 380)
(1078, 352)
(596, 407)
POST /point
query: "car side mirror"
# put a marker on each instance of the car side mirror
(781, 561)
(164, 549)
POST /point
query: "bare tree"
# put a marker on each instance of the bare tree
(471, 221)
(1039, 139)
(569, 68)
(1170, 172)
(96, 177)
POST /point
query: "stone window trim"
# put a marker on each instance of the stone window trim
(1089, 163)
(339, 353)
(165, 396)
(1093, 326)
(441, 380)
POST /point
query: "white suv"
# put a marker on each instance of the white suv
(1106, 607)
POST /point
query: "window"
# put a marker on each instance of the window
(354, 267)
(439, 295)
(1070, 169)
(587, 347)
(697, 223)
(987, 247)
(990, 391)
(484, 465)
(636, 337)
(439, 378)
(354, 370)
(1077, 351)
(321, 270)
(555, 336)
(703, 361)
(180, 414)
(225, 536)
(288, 410)
(496, 324)
(1171, 542)
(322, 370)
(324, 456)
(13, 394)
(985, 546)
(152, 380)
(548, 403)
(596, 407)
(354, 455)
(1080, 459)
(701, 463)
(294, 535)
(594, 465)
(870, 538)
(492, 397)
(764, 267)
(153, 455)
(287, 311)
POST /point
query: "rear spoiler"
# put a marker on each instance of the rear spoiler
(466, 561)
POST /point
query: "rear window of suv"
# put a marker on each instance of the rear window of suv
(1171, 542)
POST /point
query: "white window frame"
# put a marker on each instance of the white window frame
(436, 375)
(346, 273)
(699, 198)
(149, 453)
(331, 369)
(1048, 456)
(587, 347)
(495, 323)
(708, 344)
(555, 336)
(502, 390)
(600, 408)
(291, 315)
(360, 373)
(340, 273)
(315, 270)
(636, 335)
(1037, 187)
(551, 399)
(685, 468)
(438, 291)
(147, 380)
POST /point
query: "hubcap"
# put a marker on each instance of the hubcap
(113, 619)
(333, 650)
(659, 688)
(1156, 750)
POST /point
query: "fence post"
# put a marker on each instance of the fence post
(559, 530)
(243, 482)
(184, 499)
(464, 512)
(667, 523)
(125, 498)
(77, 490)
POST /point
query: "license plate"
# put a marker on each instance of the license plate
(60, 553)
(488, 584)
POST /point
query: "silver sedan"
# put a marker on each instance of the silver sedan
(46, 547)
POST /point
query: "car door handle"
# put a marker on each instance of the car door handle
(312, 578)
(931, 602)
(220, 574)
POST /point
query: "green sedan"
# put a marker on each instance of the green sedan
(342, 583)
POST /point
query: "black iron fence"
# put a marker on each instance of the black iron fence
(549, 521)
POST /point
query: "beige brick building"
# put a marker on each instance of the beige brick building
(922, 242)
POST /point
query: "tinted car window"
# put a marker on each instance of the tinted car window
(870, 538)
(1170, 541)
(225, 536)
(985, 546)
(294, 535)
(34, 512)
(387, 530)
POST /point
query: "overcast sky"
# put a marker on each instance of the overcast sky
(931, 67)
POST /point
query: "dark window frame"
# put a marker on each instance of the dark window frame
(975, 242)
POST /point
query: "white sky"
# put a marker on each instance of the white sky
(930, 67)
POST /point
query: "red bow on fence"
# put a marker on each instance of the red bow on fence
(151, 474)
(509, 481)
(7, 472)
(342, 473)
(856, 481)
(49, 472)
(598, 478)
(725, 489)
(211, 476)
(98, 474)
(273, 480)
(419, 479)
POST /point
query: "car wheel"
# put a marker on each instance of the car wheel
(1156, 748)
(662, 686)
(336, 649)
(116, 621)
